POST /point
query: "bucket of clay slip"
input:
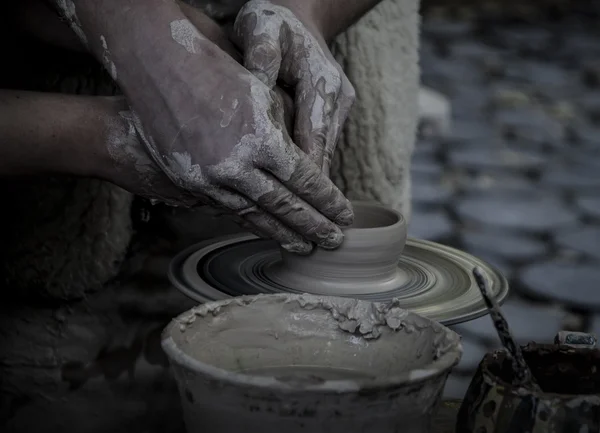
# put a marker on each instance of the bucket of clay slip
(304, 363)
(567, 401)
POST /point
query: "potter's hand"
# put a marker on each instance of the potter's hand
(279, 44)
(213, 128)
(237, 155)
(240, 157)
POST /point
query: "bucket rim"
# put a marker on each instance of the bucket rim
(426, 373)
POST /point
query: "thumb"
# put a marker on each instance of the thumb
(257, 36)
(262, 57)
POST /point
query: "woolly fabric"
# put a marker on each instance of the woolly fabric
(380, 57)
(63, 237)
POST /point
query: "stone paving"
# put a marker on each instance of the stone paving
(516, 182)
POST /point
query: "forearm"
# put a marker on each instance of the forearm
(45, 133)
(332, 17)
(155, 54)
(38, 19)
(127, 31)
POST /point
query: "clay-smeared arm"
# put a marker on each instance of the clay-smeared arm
(39, 19)
(216, 131)
(88, 136)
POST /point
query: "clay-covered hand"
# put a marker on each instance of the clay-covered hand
(128, 163)
(214, 129)
(231, 150)
(278, 44)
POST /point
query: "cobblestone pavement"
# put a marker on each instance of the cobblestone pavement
(517, 181)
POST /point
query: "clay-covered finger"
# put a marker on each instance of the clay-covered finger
(307, 181)
(284, 115)
(276, 230)
(263, 60)
(260, 222)
(259, 41)
(314, 109)
(292, 211)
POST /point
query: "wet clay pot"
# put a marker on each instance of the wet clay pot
(569, 402)
(305, 363)
(367, 261)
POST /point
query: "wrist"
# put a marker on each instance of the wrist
(112, 132)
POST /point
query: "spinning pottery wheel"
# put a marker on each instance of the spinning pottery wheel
(375, 263)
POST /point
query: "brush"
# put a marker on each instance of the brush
(522, 372)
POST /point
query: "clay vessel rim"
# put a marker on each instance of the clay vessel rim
(430, 371)
(399, 220)
(522, 391)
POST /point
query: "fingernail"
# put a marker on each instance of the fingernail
(302, 248)
(333, 240)
(346, 218)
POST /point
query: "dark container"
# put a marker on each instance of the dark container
(569, 376)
